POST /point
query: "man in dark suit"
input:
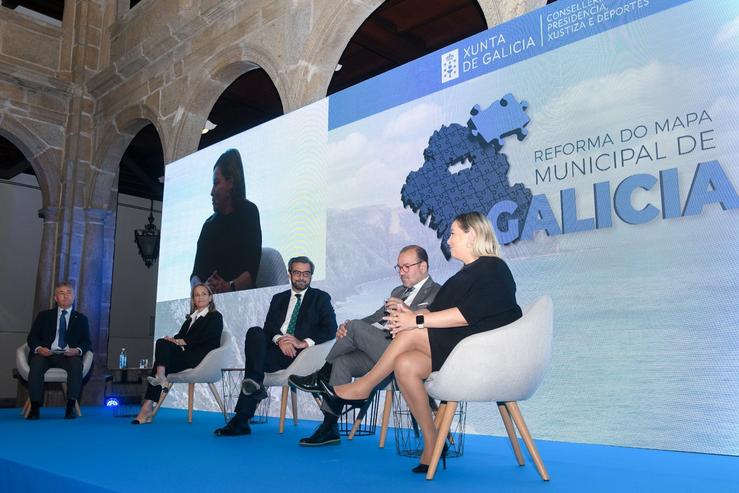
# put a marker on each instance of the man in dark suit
(298, 318)
(58, 339)
(360, 343)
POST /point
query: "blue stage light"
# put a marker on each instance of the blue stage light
(111, 402)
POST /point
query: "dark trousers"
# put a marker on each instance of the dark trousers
(260, 355)
(38, 366)
(172, 358)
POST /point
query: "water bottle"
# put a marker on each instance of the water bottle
(122, 359)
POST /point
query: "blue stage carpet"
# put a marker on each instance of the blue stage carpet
(100, 453)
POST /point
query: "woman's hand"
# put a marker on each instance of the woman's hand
(401, 318)
(179, 342)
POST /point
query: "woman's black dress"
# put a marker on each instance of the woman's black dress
(485, 292)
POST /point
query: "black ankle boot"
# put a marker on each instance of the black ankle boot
(70, 412)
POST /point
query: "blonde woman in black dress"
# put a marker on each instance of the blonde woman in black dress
(480, 297)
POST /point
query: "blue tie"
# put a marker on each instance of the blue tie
(63, 330)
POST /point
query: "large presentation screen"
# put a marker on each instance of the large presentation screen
(601, 140)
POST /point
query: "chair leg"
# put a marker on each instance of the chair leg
(511, 433)
(361, 414)
(526, 436)
(26, 408)
(162, 396)
(190, 395)
(441, 436)
(294, 401)
(219, 401)
(439, 415)
(389, 394)
(283, 407)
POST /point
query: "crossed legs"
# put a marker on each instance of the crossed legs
(409, 356)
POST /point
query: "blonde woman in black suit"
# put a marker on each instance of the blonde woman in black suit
(199, 335)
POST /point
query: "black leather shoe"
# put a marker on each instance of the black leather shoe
(324, 435)
(33, 414)
(309, 383)
(233, 428)
(70, 411)
(253, 390)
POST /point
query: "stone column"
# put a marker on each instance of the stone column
(45, 276)
(89, 297)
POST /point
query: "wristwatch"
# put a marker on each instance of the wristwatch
(419, 321)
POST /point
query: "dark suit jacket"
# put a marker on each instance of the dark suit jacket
(203, 337)
(426, 294)
(316, 319)
(43, 331)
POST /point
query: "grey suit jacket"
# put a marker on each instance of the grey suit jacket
(425, 295)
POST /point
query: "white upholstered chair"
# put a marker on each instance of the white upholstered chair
(308, 361)
(52, 375)
(208, 371)
(505, 365)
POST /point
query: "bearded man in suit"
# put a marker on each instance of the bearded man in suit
(297, 319)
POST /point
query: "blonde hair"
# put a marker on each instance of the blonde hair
(211, 305)
(485, 244)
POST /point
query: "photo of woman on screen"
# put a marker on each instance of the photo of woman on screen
(230, 244)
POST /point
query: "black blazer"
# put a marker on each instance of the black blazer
(316, 319)
(43, 331)
(203, 337)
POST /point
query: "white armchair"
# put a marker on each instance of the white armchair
(308, 361)
(208, 371)
(52, 375)
(512, 359)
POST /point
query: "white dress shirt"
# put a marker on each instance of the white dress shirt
(289, 314)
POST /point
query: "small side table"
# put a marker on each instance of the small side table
(231, 385)
(126, 385)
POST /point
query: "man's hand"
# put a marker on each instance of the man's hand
(286, 346)
(72, 352)
(341, 331)
(45, 352)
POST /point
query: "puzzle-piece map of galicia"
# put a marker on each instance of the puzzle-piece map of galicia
(439, 193)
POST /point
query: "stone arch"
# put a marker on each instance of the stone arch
(114, 138)
(324, 48)
(45, 160)
(329, 40)
(500, 11)
(220, 71)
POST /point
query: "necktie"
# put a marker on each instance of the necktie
(405, 294)
(63, 329)
(294, 317)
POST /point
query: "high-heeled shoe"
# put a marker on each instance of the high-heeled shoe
(157, 381)
(422, 468)
(145, 421)
(338, 403)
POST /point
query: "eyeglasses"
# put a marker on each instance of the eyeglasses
(405, 267)
(304, 274)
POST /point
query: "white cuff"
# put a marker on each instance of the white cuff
(276, 338)
(310, 341)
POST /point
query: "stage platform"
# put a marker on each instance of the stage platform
(101, 453)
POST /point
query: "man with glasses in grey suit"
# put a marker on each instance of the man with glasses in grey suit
(360, 343)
